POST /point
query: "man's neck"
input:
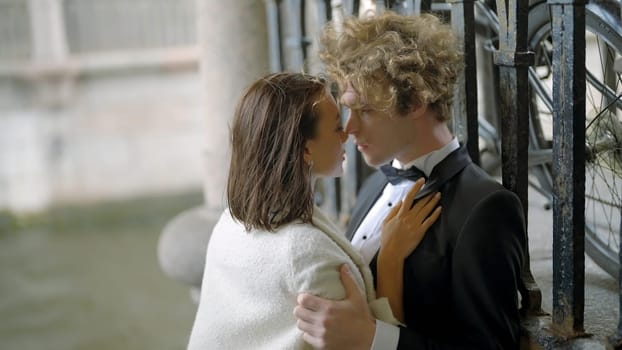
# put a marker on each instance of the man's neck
(425, 142)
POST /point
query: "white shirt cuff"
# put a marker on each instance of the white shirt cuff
(386, 336)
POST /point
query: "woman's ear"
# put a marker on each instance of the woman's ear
(307, 153)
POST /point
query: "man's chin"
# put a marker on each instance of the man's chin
(374, 163)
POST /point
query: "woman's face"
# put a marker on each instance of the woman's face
(326, 149)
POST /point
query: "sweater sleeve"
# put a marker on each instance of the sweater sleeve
(314, 264)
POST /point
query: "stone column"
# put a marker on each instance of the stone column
(234, 42)
(234, 52)
(53, 76)
(48, 30)
(24, 150)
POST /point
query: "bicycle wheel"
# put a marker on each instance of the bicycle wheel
(603, 168)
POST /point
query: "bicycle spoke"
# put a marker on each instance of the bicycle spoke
(603, 168)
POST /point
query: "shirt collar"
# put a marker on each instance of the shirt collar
(427, 162)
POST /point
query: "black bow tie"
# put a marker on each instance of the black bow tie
(395, 176)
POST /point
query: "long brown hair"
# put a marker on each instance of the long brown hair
(269, 182)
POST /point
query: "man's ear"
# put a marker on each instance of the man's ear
(417, 111)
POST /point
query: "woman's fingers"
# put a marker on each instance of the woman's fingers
(422, 204)
(392, 213)
(428, 205)
(410, 196)
(431, 219)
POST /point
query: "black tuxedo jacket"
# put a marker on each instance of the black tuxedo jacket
(461, 282)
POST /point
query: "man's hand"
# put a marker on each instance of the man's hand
(342, 324)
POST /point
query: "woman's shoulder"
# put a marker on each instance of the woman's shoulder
(303, 233)
(319, 230)
(226, 219)
(311, 246)
(302, 239)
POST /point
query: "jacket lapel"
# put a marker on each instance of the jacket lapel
(442, 172)
(445, 170)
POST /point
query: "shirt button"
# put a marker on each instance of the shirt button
(390, 204)
(364, 237)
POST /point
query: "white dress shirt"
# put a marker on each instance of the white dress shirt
(367, 237)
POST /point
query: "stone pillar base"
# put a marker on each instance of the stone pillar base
(182, 246)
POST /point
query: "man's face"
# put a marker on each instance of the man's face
(379, 136)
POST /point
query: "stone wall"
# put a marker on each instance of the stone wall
(119, 136)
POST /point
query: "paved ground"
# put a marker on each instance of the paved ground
(601, 292)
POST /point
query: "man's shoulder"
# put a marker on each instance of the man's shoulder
(476, 178)
(474, 185)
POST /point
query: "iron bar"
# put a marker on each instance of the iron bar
(514, 60)
(465, 100)
(568, 35)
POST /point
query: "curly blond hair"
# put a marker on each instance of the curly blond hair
(394, 62)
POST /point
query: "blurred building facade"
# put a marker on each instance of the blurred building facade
(99, 100)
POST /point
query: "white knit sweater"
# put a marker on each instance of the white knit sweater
(251, 282)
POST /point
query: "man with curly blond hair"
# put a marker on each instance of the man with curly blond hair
(458, 287)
